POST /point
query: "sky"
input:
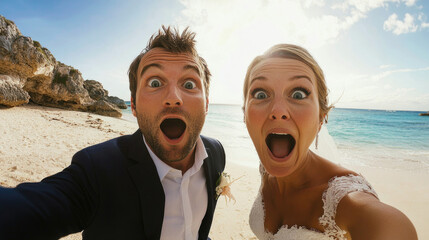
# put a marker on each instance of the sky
(374, 53)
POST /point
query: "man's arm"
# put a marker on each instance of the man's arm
(57, 206)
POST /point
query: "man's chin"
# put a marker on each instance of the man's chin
(172, 152)
(170, 156)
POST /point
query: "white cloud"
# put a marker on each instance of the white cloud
(358, 9)
(409, 3)
(422, 19)
(317, 3)
(385, 66)
(379, 91)
(379, 76)
(400, 27)
(363, 6)
(382, 75)
(369, 97)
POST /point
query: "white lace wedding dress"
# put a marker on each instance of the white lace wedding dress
(338, 187)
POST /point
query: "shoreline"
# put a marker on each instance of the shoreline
(39, 141)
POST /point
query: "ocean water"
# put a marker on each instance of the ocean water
(375, 138)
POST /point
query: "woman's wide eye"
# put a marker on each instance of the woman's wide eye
(299, 94)
(154, 83)
(189, 85)
(260, 95)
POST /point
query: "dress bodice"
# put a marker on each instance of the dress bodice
(338, 187)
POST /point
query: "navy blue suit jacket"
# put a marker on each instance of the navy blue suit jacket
(110, 191)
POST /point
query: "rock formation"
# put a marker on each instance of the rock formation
(97, 92)
(117, 101)
(29, 72)
(11, 93)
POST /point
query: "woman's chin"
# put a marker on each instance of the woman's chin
(280, 171)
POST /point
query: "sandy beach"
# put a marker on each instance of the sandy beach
(38, 141)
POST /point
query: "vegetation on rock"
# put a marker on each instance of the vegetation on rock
(59, 78)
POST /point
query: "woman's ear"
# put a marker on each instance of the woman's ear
(244, 114)
(322, 120)
(207, 105)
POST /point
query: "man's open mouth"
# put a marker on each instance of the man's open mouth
(280, 144)
(173, 128)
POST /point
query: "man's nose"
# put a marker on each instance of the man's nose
(173, 98)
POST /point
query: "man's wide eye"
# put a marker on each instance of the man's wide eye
(154, 83)
(299, 94)
(260, 95)
(189, 85)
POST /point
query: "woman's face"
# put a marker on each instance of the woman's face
(282, 113)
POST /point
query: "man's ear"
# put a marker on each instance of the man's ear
(133, 107)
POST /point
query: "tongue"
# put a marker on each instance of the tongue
(280, 146)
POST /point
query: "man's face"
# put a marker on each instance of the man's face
(171, 104)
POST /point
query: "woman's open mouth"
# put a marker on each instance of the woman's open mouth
(280, 144)
(173, 128)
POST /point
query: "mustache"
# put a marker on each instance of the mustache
(176, 111)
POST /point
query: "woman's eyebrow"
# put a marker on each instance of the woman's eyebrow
(292, 78)
(262, 78)
(300, 77)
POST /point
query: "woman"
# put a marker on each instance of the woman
(302, 195)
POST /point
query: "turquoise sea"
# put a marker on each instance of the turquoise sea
(375, 138)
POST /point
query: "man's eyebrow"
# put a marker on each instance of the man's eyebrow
(195, 68)
(149, 66)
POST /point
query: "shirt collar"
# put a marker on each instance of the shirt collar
(163, 169)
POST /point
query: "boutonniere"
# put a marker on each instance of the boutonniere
(223, 188)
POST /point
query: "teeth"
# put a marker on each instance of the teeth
(283, 134)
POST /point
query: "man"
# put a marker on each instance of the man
(158, 183)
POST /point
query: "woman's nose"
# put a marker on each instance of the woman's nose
(275, 116)
(280, 111)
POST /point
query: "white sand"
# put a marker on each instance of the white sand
(37, 141)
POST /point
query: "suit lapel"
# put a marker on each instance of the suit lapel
(209, 176)
(146, 179)
(208, 171)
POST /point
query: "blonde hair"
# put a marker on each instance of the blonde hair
(291, 51)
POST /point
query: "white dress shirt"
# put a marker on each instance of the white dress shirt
(185, 196)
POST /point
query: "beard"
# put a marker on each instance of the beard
(150, 128)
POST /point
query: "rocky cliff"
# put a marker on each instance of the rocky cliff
(29, 72)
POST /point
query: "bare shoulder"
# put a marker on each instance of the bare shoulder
(327, 169)
(365, 217)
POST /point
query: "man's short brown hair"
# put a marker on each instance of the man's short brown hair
(172, 41)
